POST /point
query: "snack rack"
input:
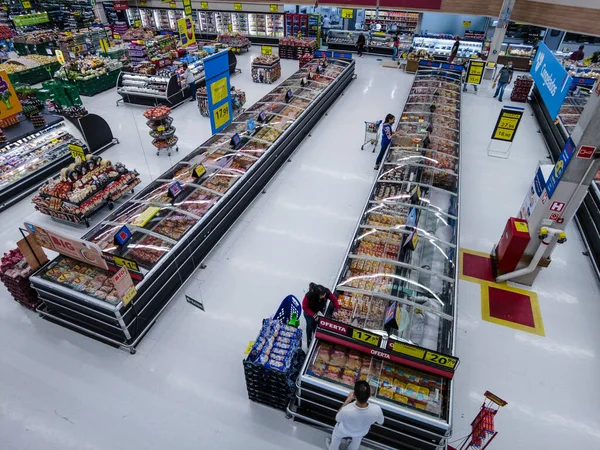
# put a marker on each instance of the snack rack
(266, 73)
(161, 129)
(398, 285)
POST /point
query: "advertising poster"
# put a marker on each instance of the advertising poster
(535, 192)
(551, 79)
(185, 27)
(10, 104)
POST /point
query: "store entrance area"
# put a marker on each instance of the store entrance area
(185, 388)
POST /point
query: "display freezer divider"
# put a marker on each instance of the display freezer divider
(384, 406)
(279, 103)
(195, 185)
(400, 264)
(166, 206)
(439, 88)
(135, 229)
(439, 75)
(426, 234)
(410, 205)
(406, 162)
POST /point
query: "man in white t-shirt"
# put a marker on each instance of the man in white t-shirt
(355, 419)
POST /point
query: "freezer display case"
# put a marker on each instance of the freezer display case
(172, 234)
(441, 48)
(397, 287)
(151, 90)
(377, 43)
(26, 164)
(296, 25)
(519, 54)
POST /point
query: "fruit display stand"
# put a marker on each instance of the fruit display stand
(293, 47)
(30, 69)
(161, 129)
(171, 236)
(14, 274)
(398, 285)
(41, 42)
(266, 69)
(83, 188)
(90, 75)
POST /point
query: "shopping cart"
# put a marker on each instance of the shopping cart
(290, 305)
(371, 134)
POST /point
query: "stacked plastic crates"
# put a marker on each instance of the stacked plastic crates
(15, 273)
(276, 358)
(521, 89)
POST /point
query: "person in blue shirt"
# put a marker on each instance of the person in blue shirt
(386, 137)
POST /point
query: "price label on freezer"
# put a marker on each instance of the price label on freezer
(173, 5)
(204, 5)
(507, 123)
(441, 360)
(129, 295)
(221, 115)
(266, 50)
(405, 349)
(138, 23)
(199, 170)
(123, 262)
(237, 6)
(218, 90)
(121, 238)
(367, 338)
(104, 45)
(146, 216)
(347, 13)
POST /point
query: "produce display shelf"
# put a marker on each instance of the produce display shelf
(588, 214)
(94, 86)
(176, 237)
(397, 287)
(25, 128)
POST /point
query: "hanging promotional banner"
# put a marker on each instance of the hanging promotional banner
(475, 72)
(551, 79)
(185, 28)
(507, 123)
(84, 251)
(216, 71)
(187, 7)
(9, 103)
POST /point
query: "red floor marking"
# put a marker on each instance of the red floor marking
(510, 306)
(476, 266)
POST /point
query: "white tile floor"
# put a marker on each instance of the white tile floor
(184, 389)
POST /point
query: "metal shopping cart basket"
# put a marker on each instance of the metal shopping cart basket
(371, 134)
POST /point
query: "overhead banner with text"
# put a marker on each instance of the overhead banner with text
(216, 71)
(551, 79)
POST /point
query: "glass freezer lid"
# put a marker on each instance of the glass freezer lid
(392, 383)
(430, 174)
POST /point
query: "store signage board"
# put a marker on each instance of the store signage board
(81, 250)
(185, 28)
(251, 124)
(123, 285)
(30, 19)
(77, 151)
(175, 189)
(347, 13)
(9, 103)
(216, 71)
(559, 168)
(187, 7)
(475, 72)
(507, 123)
(328, 54)
(235, 140)
(343, 329)
(551, 79)
(266, 50)
(196, 303)
(274, 8)
(586, 152)
(120, 5)
(237, 6)
(204, 5)
(199, 170)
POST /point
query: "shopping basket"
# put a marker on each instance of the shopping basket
(289, 305)
(371, 134)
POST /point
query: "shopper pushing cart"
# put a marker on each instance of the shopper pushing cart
(386, 138)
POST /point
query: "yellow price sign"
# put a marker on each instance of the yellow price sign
(366, 337)
(138, 23)
(249, 347)
(26, 5)
(347, 13)
(266, 50)
(273, 8)
(204, 5)
(441, 360)
(77, 150)
(116, 36)
(507, 124)
(129, 295)
(229, 27)
(104, 45)
(504, 135)
(199, 170)
(475, 70)
(510, 124)
(123, 262)
(491, 64)
(473, 79)
(237, 6)
(143, 3)
(60, 57)
(466, 23)
(173, 5)
(145, 216)
(408, 350)
(218, 90)
(221, 115)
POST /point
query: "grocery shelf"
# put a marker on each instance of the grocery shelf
(170, 246)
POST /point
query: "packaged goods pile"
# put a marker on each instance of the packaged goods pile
(14, 274)
(136, 34)
(234, 40)
(266, 69)
(273, 364)
(83, 188)
(294, 47)
(170, 219)
(521, 89)
(397, 286)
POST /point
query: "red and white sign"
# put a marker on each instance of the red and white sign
(554, 216)
(85, 251)
(560, 220)
(544, 197)
(124, 285)
(324, 323)
(120, 5)
(557, 207)
(586, 151)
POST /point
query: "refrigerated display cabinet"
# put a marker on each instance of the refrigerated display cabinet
(260, 28)
(441, 48)
(397, 287)
(296, 25)
(171, 237)
(406, 22)
(519, 54)
(378, 43)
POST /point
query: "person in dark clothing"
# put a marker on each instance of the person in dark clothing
(360, 44)
(577, 55)
(386, 138)
(313, 303)
(503, 79)
(454, 50)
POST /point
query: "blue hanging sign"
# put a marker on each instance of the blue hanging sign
(216, 70)
(551, 79)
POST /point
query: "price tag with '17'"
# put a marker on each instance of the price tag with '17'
(367, 338)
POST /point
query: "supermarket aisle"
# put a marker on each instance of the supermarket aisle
(184, 388)
(535, 374)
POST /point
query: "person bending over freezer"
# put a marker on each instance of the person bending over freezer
(354, 420)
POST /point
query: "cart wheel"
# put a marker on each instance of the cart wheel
(117, 140)
(362, 147)
(111, 205)
(169, 153)
(132, 351)
(176, 149)
(157, 153)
